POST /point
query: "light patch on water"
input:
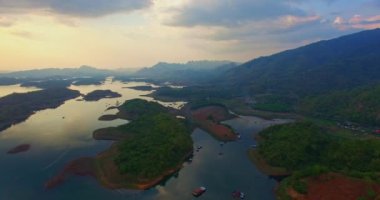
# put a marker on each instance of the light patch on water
(9, 89)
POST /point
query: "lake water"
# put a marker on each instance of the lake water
(9, 89)
(60, 135)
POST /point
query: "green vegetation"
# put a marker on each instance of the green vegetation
(274, 103)
(371, 194)
(327, 79)
(313, 69)
(100, 94)
(359, 105)
(159, 143)
(293, 146)
(155, 143)
(296, 146)
(133, 109)
(308, 151)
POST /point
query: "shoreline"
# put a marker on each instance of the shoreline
(209, 118)
(105, 172)
(265, 167)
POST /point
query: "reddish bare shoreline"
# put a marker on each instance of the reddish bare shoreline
(337, 187)
(104, 170)
(19, 149)
(209, 118)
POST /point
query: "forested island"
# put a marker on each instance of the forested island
(149, 148)
(100, 94)
(16, 108)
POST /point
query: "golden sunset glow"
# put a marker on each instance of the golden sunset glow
(35, 35)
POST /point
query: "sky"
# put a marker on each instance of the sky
(140, 33)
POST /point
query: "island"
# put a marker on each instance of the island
(88, 81)
(318, 163)
(134, 108)
(19, 149)
(16, 108)
(153, 146)
(100, 94)
(142, 88)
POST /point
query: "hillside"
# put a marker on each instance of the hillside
(358, 105)
(334, 79)
(341, 63)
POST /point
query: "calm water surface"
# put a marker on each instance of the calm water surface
(9, 89)
(60, 135)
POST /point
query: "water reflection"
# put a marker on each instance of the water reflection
(9, 89)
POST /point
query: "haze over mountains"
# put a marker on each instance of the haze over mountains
(187, 73)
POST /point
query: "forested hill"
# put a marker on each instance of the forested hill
(341, 63)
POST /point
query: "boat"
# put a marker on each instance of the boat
(199, 191)
(238, 195)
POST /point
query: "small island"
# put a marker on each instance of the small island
(19, 149)
(150, 148)
(100, 94)
(134, 108)
(142, 88)
(16, 108)
(88, 81)
(317, 163)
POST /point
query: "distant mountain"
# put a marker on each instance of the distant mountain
(336, 64)
(56, 72)
(188, 73)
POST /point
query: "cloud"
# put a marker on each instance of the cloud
(4, 22)
(292, 21)
(78, 8)
(24, 34)
(357, 22)
(230, 12)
